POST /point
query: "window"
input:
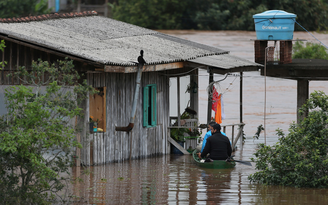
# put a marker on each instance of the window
(149, 105)
(97, 107)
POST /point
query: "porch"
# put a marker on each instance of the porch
(234, 132)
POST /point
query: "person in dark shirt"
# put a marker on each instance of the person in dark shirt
(217, 145)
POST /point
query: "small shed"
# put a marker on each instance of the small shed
(106, 50)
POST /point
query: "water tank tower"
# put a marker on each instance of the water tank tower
(274, 25)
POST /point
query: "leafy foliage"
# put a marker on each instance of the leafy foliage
(178, 134)
(18, 8)
(151, 14)
(258, 132)
(216, 15)
(37, 135)
(309, 51)
(299, 159)
(2, 46)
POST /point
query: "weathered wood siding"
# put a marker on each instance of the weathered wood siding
(113, 146)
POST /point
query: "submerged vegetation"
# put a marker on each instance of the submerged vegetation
(299, 159)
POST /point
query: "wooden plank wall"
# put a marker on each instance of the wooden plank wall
(119, 98)
(113, 146)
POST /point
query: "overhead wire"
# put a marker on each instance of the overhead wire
(217, 85)
(310, 34)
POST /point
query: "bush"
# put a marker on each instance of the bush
(36, 136)
(299, 159)
(309, 51)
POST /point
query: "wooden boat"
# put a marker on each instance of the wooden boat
(216, 164)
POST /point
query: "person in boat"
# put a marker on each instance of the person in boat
(217, 146)
(208, 134)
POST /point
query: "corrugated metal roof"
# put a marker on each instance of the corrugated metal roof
(225, 61)
(107, 41)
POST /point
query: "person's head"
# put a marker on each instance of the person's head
(216, 128)
(210, 125)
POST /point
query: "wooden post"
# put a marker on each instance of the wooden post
(302, 96)
(194, 92)
(78, 151)
(209, 104)
(232, 134)
(178, 98)
(11, 63)
(241, 97)
(241, 129)
(79, 6)
(3, 64)
(130, 133)
(106, 8)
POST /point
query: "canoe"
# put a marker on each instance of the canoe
(216, 164)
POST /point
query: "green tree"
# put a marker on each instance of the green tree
(299, 159)
(18, 8)
(216, 15)
(37, 135)
(152, 14)
(309, 51)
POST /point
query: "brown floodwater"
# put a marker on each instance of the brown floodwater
(175, 179)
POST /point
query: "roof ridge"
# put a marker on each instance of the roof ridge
(48, 16)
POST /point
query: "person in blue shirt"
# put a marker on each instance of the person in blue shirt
(209, 133)
(217, 147)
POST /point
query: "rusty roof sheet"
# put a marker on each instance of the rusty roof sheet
(104, 40)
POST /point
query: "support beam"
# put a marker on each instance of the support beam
(209, 105)
(178, 98)
(79, 6)
(194, 92)
(106, 8)
(177, 145)
(302, 96)
(241, 97)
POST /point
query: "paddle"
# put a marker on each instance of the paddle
(241, 162)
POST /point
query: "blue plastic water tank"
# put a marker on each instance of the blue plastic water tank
(274, 25)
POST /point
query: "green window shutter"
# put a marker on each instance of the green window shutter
(145, 105)
(153, 105)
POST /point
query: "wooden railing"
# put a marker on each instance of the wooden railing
(184, 123)
(239, 128)
(230, 130)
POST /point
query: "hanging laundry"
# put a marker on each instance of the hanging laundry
(217, 106)
(215, 99)
(219, 114)
(218, 118)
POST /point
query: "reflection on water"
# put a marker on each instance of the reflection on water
(176, 179)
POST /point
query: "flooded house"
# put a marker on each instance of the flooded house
(132, 106)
